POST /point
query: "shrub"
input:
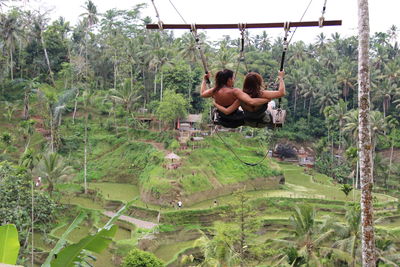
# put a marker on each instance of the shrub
(139, 258)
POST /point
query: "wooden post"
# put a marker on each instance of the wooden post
(248, 25)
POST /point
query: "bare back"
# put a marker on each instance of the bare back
(224, 96)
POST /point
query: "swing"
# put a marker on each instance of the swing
(260, 118)
(277, 115)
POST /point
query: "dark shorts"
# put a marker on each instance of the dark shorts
(260, 121)
(260, 118)
(233, 120)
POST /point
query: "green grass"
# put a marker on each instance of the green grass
(82, 202)
(301, 185)
(122, 234)
(167, 252)
(69, 188)
(40, 242)
(116, 191)
(77, 234)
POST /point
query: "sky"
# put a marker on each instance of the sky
(383, 14)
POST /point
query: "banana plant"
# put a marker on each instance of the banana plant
(73, 254)
(9, 244)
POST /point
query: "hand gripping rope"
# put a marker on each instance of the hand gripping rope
(285, 48)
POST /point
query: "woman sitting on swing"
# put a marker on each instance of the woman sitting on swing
(227, 97)
(255, 115)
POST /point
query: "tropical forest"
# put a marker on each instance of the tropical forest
(110, 154)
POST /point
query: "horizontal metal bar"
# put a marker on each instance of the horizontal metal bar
(247, 26)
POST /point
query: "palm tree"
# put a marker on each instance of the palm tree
(28, 129)
(351, 125)
(378, 124)
(160, 55)
(90, 14)
(328, 94)
(349, 233)
(88, 96)
(387, 251)
(309, 236)
(339, 111)
(364, 139)
(385, 92)
(90, 19)
(296, 79)
(381, 170)
(39, 25)
(310, 91)
(10, 31)
(225, 56)
(188, 48)
(53, 169)
(6, 139)
(263, 41)
(29, 86)
(9, 110)
(392, 124)
(321, 40)
(346, 78)
(125, 96)
(220, 250)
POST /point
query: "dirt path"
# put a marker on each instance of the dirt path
(137, 222)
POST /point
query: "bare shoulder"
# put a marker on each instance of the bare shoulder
(236, 91)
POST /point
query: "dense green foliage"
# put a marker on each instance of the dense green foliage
(95, 105)
(139, 258)
(16, 202)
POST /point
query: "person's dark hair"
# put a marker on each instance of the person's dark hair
(253, 84)
(221, 78)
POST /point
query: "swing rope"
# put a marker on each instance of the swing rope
(322, 18)
(196, 37)
(172, 4)
(242, 28)
(160, 23)
(236, 155)
(285, 48)
(286, 43)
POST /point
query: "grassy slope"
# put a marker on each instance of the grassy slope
(114, 159)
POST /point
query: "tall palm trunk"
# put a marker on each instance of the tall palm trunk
(75, 106)
(85, 155)
(11, 64)
(115, 69)
(32, 226)
(46, 56)
(51, 132)
(162, 85)
(26, 105)
(364, 135)
(19, 60)
(155, 82)
(390, 159)
(295, 100)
